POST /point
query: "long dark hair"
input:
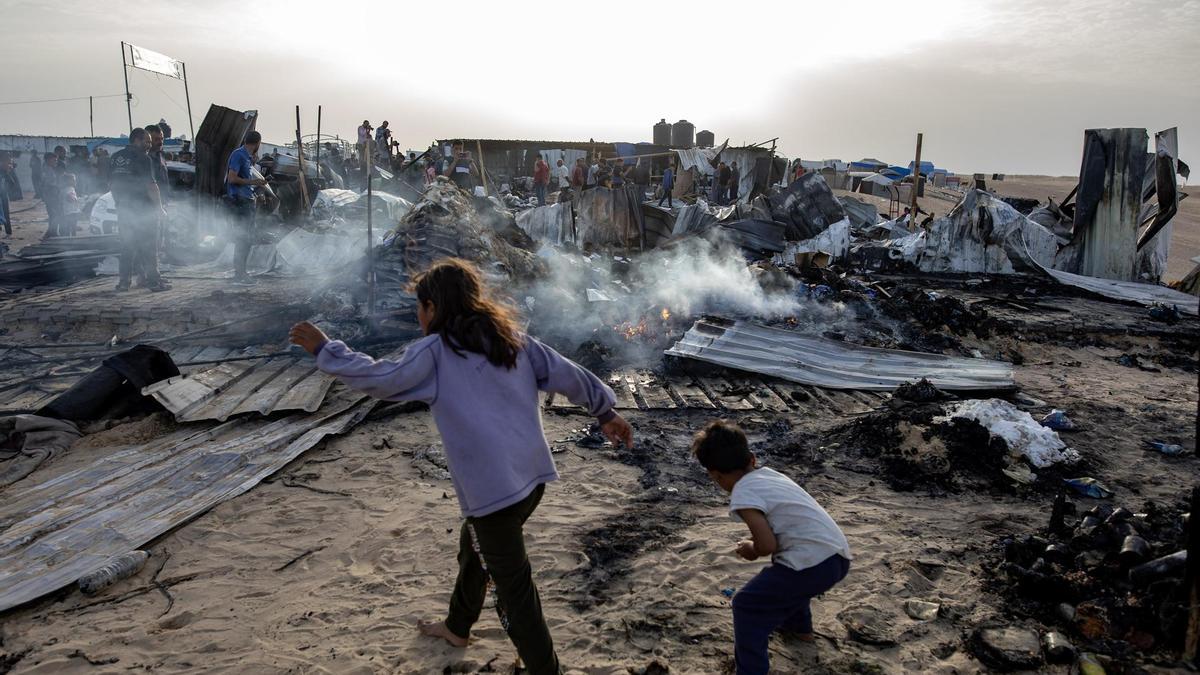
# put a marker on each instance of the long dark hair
(466, 315)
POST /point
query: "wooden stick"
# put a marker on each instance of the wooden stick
(300, 162)
(482, 168)
(1191, 583)
(916, 174)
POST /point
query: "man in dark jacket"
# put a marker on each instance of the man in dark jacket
(735, 176)
(138, 208)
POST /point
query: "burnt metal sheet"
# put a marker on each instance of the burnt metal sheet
(1130, 291)
(241, 387)
(831, 364)
(55, 531)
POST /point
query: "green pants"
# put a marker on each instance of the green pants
(499, 538)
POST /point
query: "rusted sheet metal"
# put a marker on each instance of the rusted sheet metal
(55, 531)
(242, 387)
(831, 364)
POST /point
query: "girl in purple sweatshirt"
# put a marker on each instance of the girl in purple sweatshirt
(481, 377)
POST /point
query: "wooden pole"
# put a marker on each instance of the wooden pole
(300, 162)
(770, 166)
(188, 97)
(91, 117)
(125, 72)
(482, 169)
(370, 239)
(318, 140)
(1191, 580)
(916, 174)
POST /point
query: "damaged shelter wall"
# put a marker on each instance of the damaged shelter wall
(700, 160)
(550, 224)
(221, 132)
(1108, 205)
(609, 217)
(984, 234)
(1154, 242)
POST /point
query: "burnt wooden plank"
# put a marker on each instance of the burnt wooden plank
(691, 395)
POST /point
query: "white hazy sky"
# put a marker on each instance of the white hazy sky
(1004, 86)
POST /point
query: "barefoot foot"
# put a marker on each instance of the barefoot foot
(439, 629)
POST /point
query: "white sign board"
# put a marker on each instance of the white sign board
(155, 62)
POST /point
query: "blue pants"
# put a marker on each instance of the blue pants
(778, 597)
(539, 189)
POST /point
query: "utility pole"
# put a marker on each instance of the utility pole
(91, 117)
(916, 176)
(128, 98)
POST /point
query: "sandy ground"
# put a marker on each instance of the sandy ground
(331, 575)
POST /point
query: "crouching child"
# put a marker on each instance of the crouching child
(809, 554)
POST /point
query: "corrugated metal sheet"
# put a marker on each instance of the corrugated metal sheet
(831, 364)
(1130, 291)
(241, 387)
(54, 532)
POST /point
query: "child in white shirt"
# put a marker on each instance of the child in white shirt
(809, 553)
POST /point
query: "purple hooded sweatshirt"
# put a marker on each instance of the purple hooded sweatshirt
(489, 416)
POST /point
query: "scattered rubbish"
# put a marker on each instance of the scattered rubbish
(1168, 565)
(1168, 314)
(727, 592)
(1134, 361)
(921, 391)
(1058, 648)
(869, 625)
(1089, 487)
(1058, 421)
(27, 441)
(1040, 446)
(921, 610)
(1090, 665)
(117, 569)
(1170, 449)
(431, 462)
(1008, 647)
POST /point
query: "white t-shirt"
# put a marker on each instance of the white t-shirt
(804, 531)
(563, 173)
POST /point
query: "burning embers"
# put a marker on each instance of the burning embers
(649, 328)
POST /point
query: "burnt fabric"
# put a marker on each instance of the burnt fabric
(115, 388)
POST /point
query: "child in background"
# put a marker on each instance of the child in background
(809, 553)
(481, 377)
(72, 207)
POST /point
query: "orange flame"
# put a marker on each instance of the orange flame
(666, 314)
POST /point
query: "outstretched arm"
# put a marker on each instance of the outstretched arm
(560, 375)
(412, 378)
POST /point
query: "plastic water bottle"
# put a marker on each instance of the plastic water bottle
(116, 569)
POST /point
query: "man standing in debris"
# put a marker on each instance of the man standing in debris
(158, 168)
(579, 176)
(383, 140)
(35, 169)
(541, 179)
(462, 169)
(239, 193)
(562, 176)
(668, 184)
(5, 186)
(734, 176)
(723, 176)
(138, 209)
(618, 173)
(51, 194)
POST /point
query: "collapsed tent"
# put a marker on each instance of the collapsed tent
(983, 234)
(447, 222)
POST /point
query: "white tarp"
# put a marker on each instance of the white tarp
(154, 62)
(834, 240)
(550, 223)
(700, 159)
(1022, 434)
(304, 252)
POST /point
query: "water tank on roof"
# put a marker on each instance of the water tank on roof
(683, 134)
(662, 132)
(705, 139)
